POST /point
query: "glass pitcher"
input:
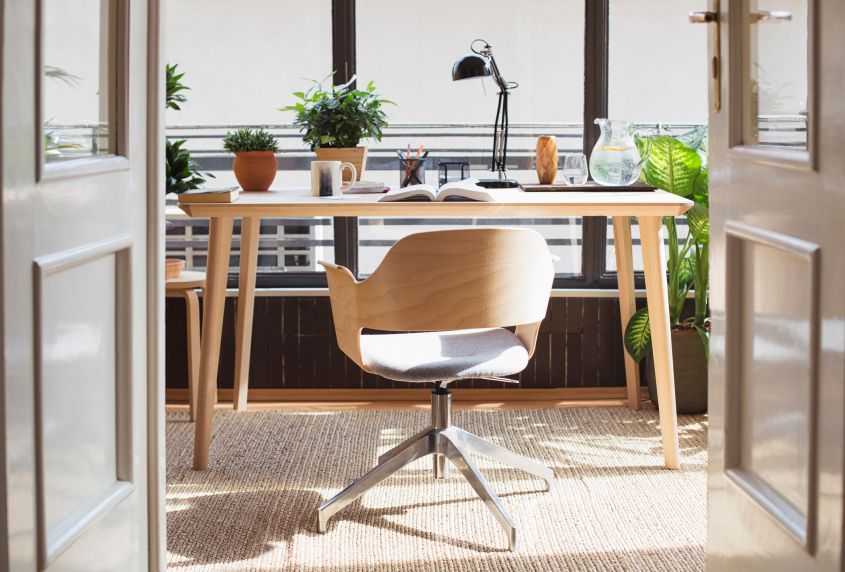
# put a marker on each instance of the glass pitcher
(616, 161)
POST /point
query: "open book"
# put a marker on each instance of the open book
(466, 190)
(365, 188)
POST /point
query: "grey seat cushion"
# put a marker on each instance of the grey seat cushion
(439, 356)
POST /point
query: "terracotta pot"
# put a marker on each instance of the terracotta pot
(255, 170)
(546, 159)
(690, 364)
(355, 155)
(173, 268)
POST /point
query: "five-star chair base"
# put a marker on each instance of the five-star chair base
(443, 441)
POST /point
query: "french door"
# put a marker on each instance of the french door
(81, 301)
(777, 134)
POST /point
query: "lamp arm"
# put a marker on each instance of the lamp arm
(497, 75)
(500, 130)
(487, 51)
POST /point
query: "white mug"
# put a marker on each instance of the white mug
(327, 178)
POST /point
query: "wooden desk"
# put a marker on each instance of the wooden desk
(649, 206)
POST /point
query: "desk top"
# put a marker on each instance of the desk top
(298, 202)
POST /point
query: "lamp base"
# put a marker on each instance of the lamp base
(498, 184)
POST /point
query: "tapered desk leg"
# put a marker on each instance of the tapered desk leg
(627, 302)
(219, 251)
(250, 227)
(654, 263)
(192, 313)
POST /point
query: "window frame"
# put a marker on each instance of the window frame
(594, 229)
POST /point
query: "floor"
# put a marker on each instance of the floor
(613, 506)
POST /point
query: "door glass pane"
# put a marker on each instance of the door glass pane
(777, 93)
(76, 86)
(537, 43)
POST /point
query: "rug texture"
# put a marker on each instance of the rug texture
(613, 507)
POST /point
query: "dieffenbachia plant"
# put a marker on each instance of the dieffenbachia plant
(679, 165)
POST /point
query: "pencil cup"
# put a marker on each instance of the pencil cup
(411, 172)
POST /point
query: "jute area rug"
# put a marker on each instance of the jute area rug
(614, 507)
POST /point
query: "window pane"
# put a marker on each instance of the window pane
(284, 245)
(271, 47)
(77, 78)
(540, 45)
(610, 247)
(377, 235)
(243, 60)
(778, 73)
(658, 63)
(656, 83)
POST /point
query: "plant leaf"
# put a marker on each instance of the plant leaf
(698, 218)
(686, 273)
(339, 116)
(695, 138)
(638, 335)
(672, 166)
(701, 188)
(705, 339)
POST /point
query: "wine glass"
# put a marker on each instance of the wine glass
(575, 170)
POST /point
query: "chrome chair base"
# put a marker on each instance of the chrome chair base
(443, 441)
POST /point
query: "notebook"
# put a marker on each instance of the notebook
(227, 195)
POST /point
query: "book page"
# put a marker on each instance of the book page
(412, 192)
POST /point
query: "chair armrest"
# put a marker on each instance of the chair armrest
(332, 266)
(527, 334)
(343, 293)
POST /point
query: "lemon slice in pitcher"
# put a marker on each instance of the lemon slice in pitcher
(612, 148)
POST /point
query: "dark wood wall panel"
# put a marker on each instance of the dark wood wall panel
(293, 346)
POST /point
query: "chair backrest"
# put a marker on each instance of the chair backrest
(446, 280)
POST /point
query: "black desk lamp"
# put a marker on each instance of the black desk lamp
(481, 63)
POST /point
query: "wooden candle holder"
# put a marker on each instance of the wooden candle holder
(546, 159)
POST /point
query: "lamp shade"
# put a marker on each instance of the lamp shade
(471, 65)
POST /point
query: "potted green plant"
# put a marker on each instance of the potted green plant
(255, 157)
(679, 165)
(181, 172)
(335, 120)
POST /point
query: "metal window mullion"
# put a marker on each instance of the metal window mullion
(343, 40)
(596, 34)
(346, 242)
(343, 60)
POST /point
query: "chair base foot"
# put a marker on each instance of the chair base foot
(443, 441)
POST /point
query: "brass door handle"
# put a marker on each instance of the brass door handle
(764, 16)
(712, 17)
(703, 17)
